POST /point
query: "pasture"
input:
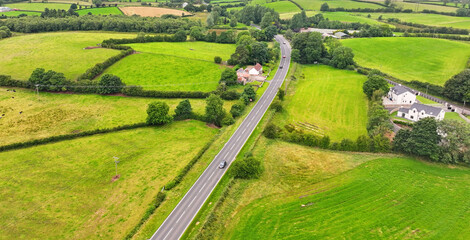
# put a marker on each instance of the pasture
(22, 54)
(338, 16)
(327, 101)
(193, 50)
(39, 6)
(426, 19)
(423, 59)
(100, 11)
(56, 114)
(167, 73)
(152, 11)
(306, 193)
(65, 190)
(17, 13)
(282, 6)
(316, 4)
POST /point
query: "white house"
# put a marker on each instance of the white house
(401, 95)
(251, 73)
(184, 4)
(419, 111)
(5, 9)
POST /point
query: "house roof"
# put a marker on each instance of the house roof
(430, 110)
(258, 66)
(341, 34)
(398, 89)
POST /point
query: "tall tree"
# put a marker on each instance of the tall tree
(215, 112)
(184, 110)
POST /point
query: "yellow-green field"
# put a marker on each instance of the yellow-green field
(39, 6)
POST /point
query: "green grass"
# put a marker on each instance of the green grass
(329, 99)
(426, 19)
(422, 59)
(60, 51)
(339, 16)
(282, 6)
(17, 13)
(100, 11)
(56, 114)
(424, 100)
(454, 116)
(167, 73)
(194, 50)
(316, 4)
(64, 190)
(38, 6)
(386, 198)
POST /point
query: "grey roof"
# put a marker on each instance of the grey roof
(430, 110)
(404, 110)
(399, 90)
(341, 34)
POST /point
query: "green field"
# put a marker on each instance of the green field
(282, 6)
(329, 99)
(17, 13)
(426, 19)
(22, 54)
(39, 6)
(100, 11)
(64, 190)
(339, 16)
(422, 59)
(454, 116)
(56, 114)
(167, 73)
(194, 50)
(425, 100)
(316, 4)
(312, 194)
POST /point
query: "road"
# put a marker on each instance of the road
(179, 219)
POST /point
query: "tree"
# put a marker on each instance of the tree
(247, 168)
(267, 20)
(97, 2)
(458, 86)
(229, 77)
(196, 33)
(183, 110)
(259, 53)
(295, 54)
(342, 57)
(374, 82)
(424, 139)
(217, 59)
(180, 36)
(270, 32)
(210, 21)
(271, 131)
(248, 94)
(280, 94)
(324, 7)
(310, 47)
(362, 143)
(237, 109)
(387, 2)
(378, 117)
(50, 80)
(400, 141)
(110, 84)
(73, 6)
(297, 22)
(215, 112)
(276, 105)
(233, 22)
(157, 113)
(455, 141)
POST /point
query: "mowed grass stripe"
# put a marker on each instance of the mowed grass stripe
(64, 190)
(423, 59)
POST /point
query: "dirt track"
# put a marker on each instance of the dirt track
(152, 11)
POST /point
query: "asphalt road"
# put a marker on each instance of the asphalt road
(179, 219)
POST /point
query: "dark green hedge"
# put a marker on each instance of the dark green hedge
(99, 68)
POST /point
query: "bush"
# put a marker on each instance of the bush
(228, 120)
(237, 109)
(276, 105)
(110, 84)
(248, 95)
(183, 110)
(271, 131)
(247, 168)
(230, 95)
(157, 113)
(217, 59)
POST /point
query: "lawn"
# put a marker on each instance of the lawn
(55, 114)
(424, 100)
(329, 100)
(423, 59)
(54, 51)
(100, 11)
(306, 193)
(39, 6)
(454, 116)
(167, 73)
(426, 19)
(194, 50)
(64, 190)
(316, 4)
(17, 13)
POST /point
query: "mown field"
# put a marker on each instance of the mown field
(65, 190)
(22, 54)
(100, 11)
(331, 101)
(39, 6)
(17, 13)
(56, 114)
(306, 193)
(422, 59)
(194, 50)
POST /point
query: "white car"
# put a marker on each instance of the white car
(222, 164)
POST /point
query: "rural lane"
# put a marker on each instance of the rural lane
(179, 219)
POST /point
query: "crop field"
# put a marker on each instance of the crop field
(310, 194)
(17, 13)
(422, 59)
(100, 11)
(56, 114)
(329, 101)
(316, 4)
(167, 73)
(65, 190)
(38, 6)
(194, 50)
(22, 54)
(152, 11)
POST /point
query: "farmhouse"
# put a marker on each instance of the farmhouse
(401, 95)
(5, 9)
(250, 74)
(419, 111)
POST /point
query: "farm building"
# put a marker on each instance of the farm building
(419, 111)
(5, 9)
(250, 74)
(401, 95)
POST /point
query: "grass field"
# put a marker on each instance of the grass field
(64, 190)
(316, 4)
(329, 99)
(100, 11)
(427, 19)
(167, 73)
(283, 6)
(453, 116)
(338, 16)
(195, 50)
(39, 6)
(385, 198)
(17, 13)
(22, 54)
(422, 59)
(55, 114)
(152, 11)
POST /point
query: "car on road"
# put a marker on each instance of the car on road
(284, 56)
(222, 164)
(284, 42)
(280, 67)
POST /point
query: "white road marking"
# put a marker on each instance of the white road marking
(202, 187)
(211, 175)
(168, 234)
(191, 202)
(180, 217)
